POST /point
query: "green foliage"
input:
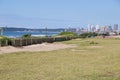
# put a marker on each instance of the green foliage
(1, 37)
(68, 34)
(104, 34)
(4, 41)
(88, 35)
(26, 36)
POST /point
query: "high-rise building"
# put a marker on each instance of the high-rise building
(97, 28)
(115, 27)
(71, 29)
(93, 28)
(111, 28)
(102, 29)
(89, 28)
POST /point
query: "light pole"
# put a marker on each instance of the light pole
(46, 31)
(1, 31)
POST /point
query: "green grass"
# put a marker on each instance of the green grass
(99, 61)
(1, 37)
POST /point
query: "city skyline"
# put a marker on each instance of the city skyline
(58, 14)
(96, 28)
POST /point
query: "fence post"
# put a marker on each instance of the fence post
(13, 42)
(20, 42)
(26, 42)
(31, 41)
(0, 43)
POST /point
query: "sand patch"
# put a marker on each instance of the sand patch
(36, 47)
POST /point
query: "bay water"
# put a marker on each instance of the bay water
(15, 34)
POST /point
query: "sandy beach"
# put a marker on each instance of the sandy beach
(36, 47)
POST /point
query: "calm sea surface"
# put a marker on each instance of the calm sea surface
(33, 33)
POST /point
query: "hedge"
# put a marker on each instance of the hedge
(29, 41)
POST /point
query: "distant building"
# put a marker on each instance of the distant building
(93, 28)
(78, 31)
(89, 28)
(110, 28)
(115, 27)
(102, 29)
(97, 28)
(71, 29)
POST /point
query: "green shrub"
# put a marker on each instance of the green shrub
(69, 34)
(4, 41)
(88, 35)
(26, 36)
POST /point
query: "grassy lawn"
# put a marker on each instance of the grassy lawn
(93, 59)
(0, 37)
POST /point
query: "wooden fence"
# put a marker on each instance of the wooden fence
(29, 41)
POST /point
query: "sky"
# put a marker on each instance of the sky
(58, 13)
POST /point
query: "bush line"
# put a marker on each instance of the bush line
(19, 42)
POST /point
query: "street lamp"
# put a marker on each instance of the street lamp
(46, 31)
(1, 31)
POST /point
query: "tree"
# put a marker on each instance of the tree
(26, 36)
(68, 34)
(88, 35)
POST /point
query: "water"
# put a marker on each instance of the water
(14, 34)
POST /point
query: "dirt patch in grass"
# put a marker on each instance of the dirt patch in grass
(36, 47)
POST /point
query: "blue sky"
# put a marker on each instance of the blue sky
(58, 13)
